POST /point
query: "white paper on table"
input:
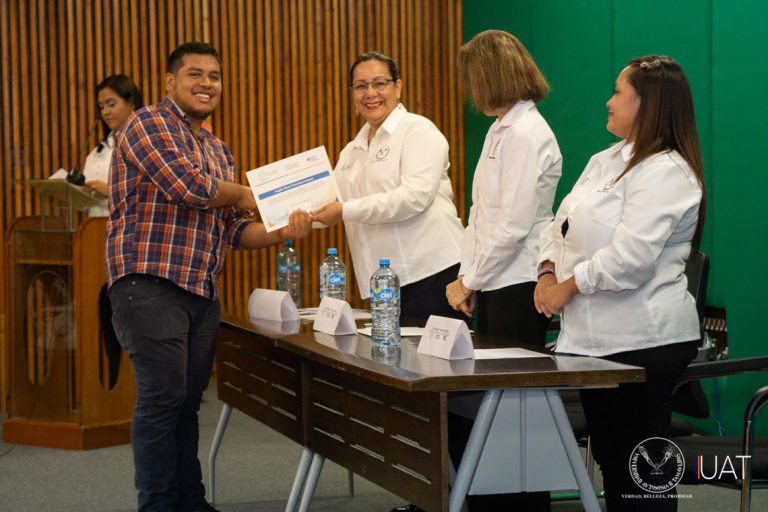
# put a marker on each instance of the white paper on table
(334, 316)
(311, 313)
(506, 353)
(346, 344)
(303, 181)
(447, 338)
(271, 305)
(405, 332)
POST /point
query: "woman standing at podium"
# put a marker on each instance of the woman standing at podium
(116, 98)
(613, 266)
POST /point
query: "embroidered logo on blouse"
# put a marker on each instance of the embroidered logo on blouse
(382, 154)
(347, 167)
(494, 148)
(608, 186)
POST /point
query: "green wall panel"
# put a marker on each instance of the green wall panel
(581, 47)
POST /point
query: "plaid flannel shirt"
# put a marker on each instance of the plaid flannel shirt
(161, 184)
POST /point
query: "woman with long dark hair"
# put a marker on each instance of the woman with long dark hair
(612, 265)
(116, 98)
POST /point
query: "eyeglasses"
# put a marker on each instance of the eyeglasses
(378, 84)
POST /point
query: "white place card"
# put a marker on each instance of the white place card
(272, 305)
(277, 327)
(507, 353)
(334, 316)
(447, 338)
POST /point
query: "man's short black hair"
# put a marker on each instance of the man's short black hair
(176, 58)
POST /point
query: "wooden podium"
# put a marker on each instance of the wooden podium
(59, 383)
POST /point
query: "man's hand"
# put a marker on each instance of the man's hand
(239, 196)
(245, 203)
(330, 214)
(299, 225)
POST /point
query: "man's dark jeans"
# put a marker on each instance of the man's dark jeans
(170, 334)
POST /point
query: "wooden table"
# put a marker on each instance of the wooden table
(384, 416)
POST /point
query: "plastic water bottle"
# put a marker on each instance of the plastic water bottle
(333, 277)
(389, 354)
(385, 305)
(289, 272)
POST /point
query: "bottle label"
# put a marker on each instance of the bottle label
(336, 279)
(385, 295)
(282, 268)
(294, 268)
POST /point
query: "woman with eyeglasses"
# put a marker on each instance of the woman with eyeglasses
(398, 201)
(612, 265)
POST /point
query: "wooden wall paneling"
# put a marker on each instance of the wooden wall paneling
(123, 51)
(98, 40)
(23, 154)
(117, 33)
(243, 286)
(56, 125)
(250, 116)
(12, 110)
(108, 36)
(244, 282)
(70, 93)
(285, 88)
(88, 74)
(225, 125)
(5, 187)
(32, 158)
(151, 79)
(166, 36)
(142, 58)
(309, 247)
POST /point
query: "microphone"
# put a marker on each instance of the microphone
(75, 175)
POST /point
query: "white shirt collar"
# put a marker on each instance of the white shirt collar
(389, 125)
(626, 150)
(110, 140)
(393, 119)
(515, 112)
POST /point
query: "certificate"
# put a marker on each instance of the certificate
(302, 181)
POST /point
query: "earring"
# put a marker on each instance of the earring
(357, 113)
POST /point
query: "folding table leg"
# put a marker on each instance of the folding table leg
(226, 411)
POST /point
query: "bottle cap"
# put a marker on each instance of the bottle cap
(332, 251)
(383, 261)
(288, 243)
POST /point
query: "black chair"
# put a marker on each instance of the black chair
(755, 449)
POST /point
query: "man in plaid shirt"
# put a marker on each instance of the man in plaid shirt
(174, 209)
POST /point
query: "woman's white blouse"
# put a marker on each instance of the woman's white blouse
(512, 193)
(97, 168)
(626, 243)
(398, 201)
